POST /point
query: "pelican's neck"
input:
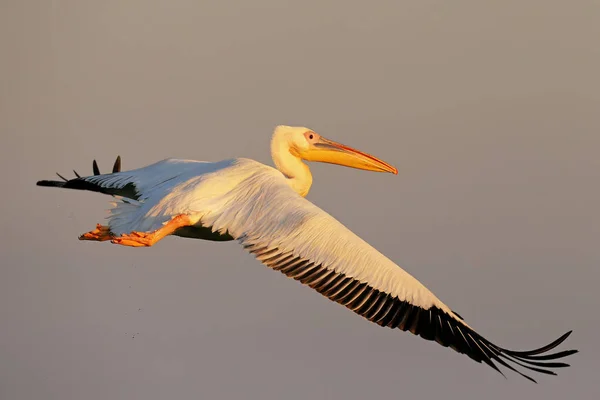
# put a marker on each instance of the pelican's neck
(295, 170)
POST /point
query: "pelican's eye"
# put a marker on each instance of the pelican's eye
(311, 136)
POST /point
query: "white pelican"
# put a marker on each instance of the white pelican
(265, 210)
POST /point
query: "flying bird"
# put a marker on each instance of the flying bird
(265, 209)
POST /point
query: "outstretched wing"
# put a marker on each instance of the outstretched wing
(291, 235)
(127, 190)
(135, 184)
(150, 196)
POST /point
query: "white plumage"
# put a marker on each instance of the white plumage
(265, 210)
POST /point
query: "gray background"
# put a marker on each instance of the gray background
(489, 111)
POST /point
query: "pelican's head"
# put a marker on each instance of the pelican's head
(308, 145)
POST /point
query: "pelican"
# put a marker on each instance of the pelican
(265, 209)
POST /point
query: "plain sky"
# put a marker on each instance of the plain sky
(490, 111)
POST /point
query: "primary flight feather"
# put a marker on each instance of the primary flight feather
(265, 210)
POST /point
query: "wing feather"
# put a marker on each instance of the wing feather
(291, 235)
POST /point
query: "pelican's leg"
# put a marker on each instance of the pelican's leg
(145, 239)
(100, 234)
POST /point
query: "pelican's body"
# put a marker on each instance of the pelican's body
(265, 210)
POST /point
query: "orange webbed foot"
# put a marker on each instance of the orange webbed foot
(135, 239)
(146, 239)
(100, 234)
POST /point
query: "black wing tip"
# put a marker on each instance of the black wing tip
(117, 165)
(47, 183)
(543, 349)
(464, 339)
(532, 359)
(95, 169)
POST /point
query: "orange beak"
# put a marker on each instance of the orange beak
(328, 151)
